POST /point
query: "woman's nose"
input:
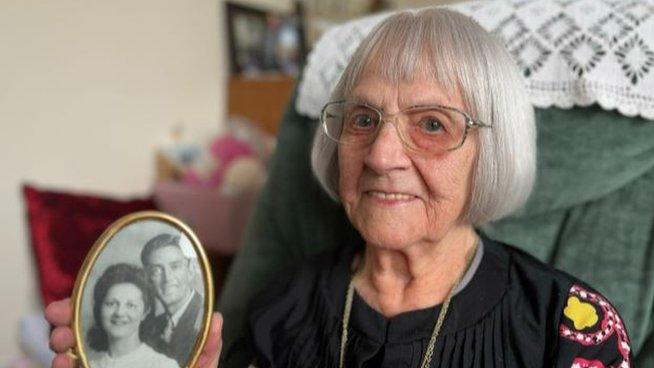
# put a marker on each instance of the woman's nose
(120, 309)
(387, 152)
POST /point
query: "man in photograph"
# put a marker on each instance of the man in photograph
(174, 331)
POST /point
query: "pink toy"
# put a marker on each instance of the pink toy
(227, 148)
(224, 150)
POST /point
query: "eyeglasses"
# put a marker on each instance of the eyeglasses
(426, 129)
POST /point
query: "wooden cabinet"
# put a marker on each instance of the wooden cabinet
(261, 99)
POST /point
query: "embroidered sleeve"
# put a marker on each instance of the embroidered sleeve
(591, 333)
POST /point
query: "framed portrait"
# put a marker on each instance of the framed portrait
(144, 295)
(262, 42)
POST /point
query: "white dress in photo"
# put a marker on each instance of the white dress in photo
(143, 357)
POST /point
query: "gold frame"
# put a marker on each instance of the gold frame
(99, 246)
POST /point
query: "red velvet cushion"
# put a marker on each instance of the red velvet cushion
(63, 227)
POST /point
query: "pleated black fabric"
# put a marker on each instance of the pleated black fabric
(507, 316)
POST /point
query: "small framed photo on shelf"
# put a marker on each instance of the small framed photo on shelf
(263, 42)
(145, 290)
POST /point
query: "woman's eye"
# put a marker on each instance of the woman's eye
(362, 121)
(431, 125)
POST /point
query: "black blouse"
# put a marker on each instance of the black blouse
(514, 312)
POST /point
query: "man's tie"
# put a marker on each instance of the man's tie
(168, 331)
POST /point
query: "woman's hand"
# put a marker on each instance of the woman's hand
(213, 345)
(60, 314)
(62, 339)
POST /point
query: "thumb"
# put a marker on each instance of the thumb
(213, 345)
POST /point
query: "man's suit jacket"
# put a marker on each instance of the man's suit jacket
(184, 334)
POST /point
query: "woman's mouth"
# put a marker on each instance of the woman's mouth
(119, 322)
(386, 196)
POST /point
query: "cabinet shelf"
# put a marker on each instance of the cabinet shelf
(261, 99)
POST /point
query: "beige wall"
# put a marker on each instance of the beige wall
(87, 90)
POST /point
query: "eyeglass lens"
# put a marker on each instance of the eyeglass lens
(428, 128)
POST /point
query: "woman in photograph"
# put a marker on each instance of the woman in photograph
(122, 298)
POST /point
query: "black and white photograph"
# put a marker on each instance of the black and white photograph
(143, 296)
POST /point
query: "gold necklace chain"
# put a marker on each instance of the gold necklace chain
(426, 360)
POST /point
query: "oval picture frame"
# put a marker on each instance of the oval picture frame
(144, 292)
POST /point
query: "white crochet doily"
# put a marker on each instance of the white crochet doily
(571, 52)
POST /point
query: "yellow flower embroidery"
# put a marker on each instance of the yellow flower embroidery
(582, 314)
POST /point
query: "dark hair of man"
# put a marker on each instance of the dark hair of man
(158, 242)
(119, 273)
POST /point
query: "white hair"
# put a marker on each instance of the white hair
(460, 55)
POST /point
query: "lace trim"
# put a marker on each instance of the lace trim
(571, 52)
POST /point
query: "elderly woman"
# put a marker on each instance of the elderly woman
(121, 300)
(429, 135)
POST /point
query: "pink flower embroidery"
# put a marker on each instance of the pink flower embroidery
(583, 363)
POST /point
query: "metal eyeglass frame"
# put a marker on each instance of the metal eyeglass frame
(469, 121)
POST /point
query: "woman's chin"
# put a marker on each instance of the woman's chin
(388, 229)
(119, 334)
(387, 237)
